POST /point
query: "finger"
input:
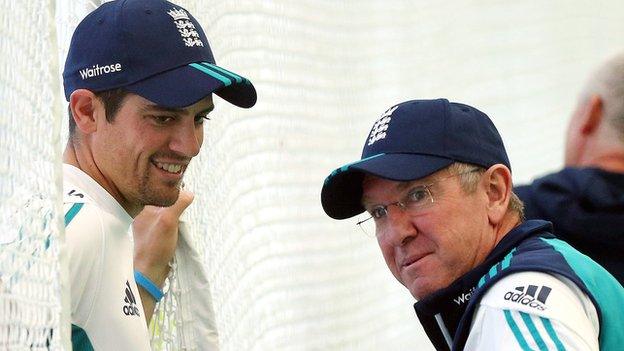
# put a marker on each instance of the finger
(184, 200)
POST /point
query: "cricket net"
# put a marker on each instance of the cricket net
(277, 273)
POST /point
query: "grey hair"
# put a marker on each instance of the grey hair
(468, 181)
(608, 82)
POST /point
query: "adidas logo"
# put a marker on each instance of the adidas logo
(534, 296)
(131, 308)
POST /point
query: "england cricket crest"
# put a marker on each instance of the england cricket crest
(185, 27)
(379, 128)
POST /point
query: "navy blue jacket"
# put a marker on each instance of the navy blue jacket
(586, 207)
(528, 247)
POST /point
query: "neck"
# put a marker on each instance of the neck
(510, 221)
(612, 161)
(78, 154)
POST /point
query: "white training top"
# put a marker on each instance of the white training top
(536, 311)
(105, 303)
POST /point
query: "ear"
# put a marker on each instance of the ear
(591, 115)
(83, 104)
(498, 185)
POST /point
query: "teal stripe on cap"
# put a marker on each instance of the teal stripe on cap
(225, 80)
(516, 331)
(346, 167)
(238, 78)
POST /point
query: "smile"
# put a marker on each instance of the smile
(170, 167)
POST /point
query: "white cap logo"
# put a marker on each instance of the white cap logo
(379, 128)
(185, 27)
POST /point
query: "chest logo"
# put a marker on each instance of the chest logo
(531, 295)
(130, 305)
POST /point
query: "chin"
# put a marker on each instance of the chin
(161, 199)
(421, 289)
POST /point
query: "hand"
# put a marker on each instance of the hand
(155, 231)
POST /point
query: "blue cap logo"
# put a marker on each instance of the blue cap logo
(185, 27)
(378, 132)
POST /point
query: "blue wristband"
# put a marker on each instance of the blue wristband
(148, 285)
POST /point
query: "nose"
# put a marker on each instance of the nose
(187, 139)
(400, 228)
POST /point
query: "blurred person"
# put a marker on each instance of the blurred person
(435, 181)
(585, 200)
(139, 78)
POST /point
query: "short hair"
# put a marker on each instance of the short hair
(468, 181)
(608, 82)
(112, 100)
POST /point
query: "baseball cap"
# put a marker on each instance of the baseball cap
(152, 48)
(410, 141)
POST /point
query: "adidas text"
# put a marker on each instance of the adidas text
(97, 70)
(524, 299)
(131, 311)
(533, 296)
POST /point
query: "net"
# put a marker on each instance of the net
(30, 272)
(282, 275)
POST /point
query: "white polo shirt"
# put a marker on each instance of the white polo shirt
(106, 309)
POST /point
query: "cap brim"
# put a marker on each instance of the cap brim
(342, 191)
(186, 85)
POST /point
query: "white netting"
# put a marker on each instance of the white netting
(284, 276)
(165, 320)
(30, 278)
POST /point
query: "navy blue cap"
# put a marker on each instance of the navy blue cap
(152, 48)
(410, 141)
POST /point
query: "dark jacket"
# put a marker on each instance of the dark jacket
(586, 207)
(528, 247)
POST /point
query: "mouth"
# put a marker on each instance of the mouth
(413, 259)
(170, 168)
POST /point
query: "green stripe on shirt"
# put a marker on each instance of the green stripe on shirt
(516, 331)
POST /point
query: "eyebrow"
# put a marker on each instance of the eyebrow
(412, 184)
(402, 186)
(173, 110)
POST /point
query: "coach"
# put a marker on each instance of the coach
(435, 179)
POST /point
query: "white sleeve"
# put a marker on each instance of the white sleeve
(537, 311)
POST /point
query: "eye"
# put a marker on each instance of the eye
(199, 119)
(417, 195)
(378, 212)
(162, 119)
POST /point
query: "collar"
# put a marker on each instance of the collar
(74, 176)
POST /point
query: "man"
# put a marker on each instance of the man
(139, 79)
(585, 200)
(436, 181)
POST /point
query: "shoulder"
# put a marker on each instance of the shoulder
(548, 295)
(533, 309)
